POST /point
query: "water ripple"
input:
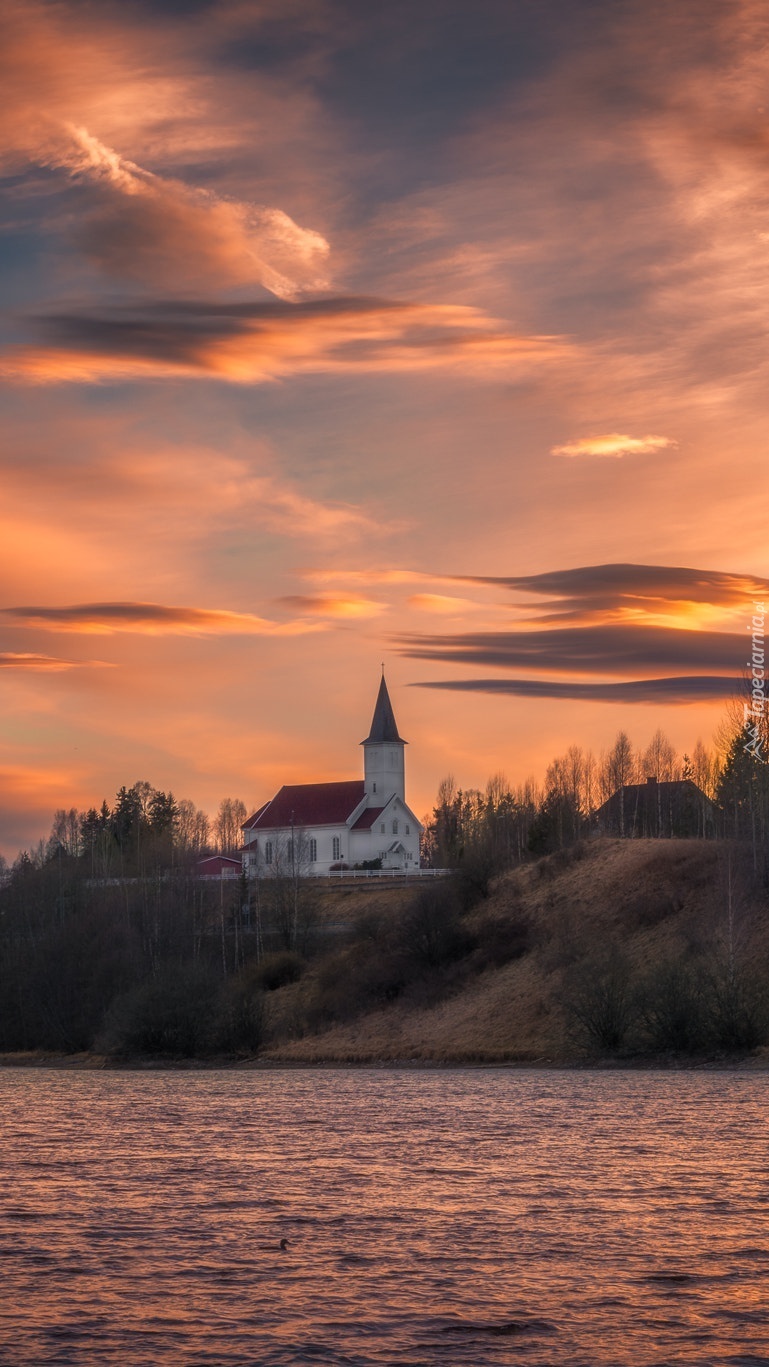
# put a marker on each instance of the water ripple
(432, 1218)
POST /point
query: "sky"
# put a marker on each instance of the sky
(334, 335)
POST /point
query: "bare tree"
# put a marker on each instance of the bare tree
(192, 829)
(287, 891)
(232, 813)
(660, 759)
(619, 770)
(704, 769)
(66, 832)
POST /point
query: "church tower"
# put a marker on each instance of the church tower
(383, 751)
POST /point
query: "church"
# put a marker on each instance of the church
(314, 828)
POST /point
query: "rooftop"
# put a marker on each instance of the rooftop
(309, 804)
(383, 725)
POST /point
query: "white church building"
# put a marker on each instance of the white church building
(313, 828)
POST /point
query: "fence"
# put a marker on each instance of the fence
(386, 873)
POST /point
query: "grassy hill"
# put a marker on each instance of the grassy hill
(630, 949)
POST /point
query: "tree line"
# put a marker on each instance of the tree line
(108, 938)
(145, 829)
(485, 831)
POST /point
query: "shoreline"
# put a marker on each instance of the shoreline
(89, 1063)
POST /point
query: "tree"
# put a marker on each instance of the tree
(192, 828)
(446, 823)
(617, 771)
(743, 794)
(704, 769)
(660, 760)
(227, 826)
(287, 897)
(126, 817)
(601, 1002)
(66, 832)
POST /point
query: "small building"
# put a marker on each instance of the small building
(218, 866)
(653, 810)
(313, 828)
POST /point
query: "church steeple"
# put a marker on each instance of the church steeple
(383, 749)
(383, 724)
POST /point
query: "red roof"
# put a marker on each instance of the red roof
(252, 820)
(217, 863)
(309, 804)
(366, 819)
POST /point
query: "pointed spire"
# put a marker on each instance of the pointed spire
(383, 725)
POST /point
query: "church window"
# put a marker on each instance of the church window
(395, 828)
(336, 847)
(313, 850)
(268, 852)
(382, 828)
(373, 787)
(408, 830)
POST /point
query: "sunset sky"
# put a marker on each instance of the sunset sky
(422, 331)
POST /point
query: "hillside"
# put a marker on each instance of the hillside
(653, 920)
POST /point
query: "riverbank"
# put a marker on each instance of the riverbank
(633, 954)
(90, 1063)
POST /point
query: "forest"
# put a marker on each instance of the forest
(110, 942)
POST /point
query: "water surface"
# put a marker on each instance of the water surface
(457, 1216)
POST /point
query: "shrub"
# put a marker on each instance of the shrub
(737, 1013)
(241, 1020)
(600, 1003)
(172, 1013)
(649, 909)
(501, 939)
(673, 1009)
(430, 932)
(278, 969)
(352, 981)
(559, 860)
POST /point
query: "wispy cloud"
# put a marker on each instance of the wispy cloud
(442, 603)
(160, 231)
(76, 522)
(255, 342)
(149, 619)
(333, 605)
(43, 664)
(678, 690)
(636, 592)
(79, 89)
(612, 649)
(623, 621)
(614, 444)
(373, 576)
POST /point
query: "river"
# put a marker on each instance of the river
(432, 1217)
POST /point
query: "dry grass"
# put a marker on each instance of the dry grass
(648, 899)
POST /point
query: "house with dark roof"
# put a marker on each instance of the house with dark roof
(309, 828)
(654, 809)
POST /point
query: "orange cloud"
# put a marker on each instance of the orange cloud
(440, 602)
(150, 619)
(334, 605)
(377, 576)
(160, 231)
(42, 664)
(71, 88)
(614, 444)
(78, 524)
(253, 342)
